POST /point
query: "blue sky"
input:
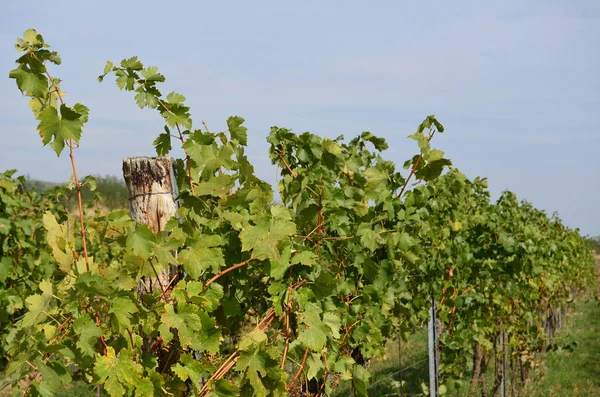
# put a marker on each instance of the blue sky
(515, 83)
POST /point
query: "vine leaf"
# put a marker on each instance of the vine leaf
(57, 129)
(237, 131)
(88, 333)
(122, 310)
(163, 144)
(195, 328)
(204, 253)
(58, 240)
(254, 359)
(31, 83)
(118, 373)
(142, 242)
(38, 305)
(264, 237)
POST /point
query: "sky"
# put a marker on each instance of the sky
(515, 83)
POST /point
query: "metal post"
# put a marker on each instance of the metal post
(504, 359)
(560, 314)
(432, 345)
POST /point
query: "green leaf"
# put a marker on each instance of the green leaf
(91, 182)
(144, 98)
(88, 333)
(237, 131)
(314, 336)
(379, 143)
(217, 186)
(38, 306)
(177, 115)
(306, 258)
(151, 74)
(30, 83)
(108, 67)
(163, 144)
(196, 329)
(333, 321)
(191, 369)
(142, 242)
(368, 237)
(32, 38)
(360, 381)
(204, 253)
(175, 98)
(119, 374)
(59, 241)
(132, 63)
(122, 310)
(253, 359)
(59, 129)
(314, 365)
(225, 388)
(264, 237)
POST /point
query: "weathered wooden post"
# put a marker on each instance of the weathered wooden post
(152, 189)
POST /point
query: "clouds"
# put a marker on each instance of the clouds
(515, 82)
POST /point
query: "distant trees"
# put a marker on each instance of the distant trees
(112, 190)
(594, 243)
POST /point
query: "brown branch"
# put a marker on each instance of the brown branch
(308, 237)
(326, 375)
(468, 289)
(162, 288)
(77, 184)
(104, 346)
(187, 159)
(31, 379)
(229, 269)
(175, 276)
(285, 163)
(187, 156)
(287, 323)
(299, 370)
(132, 345)
(414, 168)
(235, 356)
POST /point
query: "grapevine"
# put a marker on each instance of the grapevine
(273, 299)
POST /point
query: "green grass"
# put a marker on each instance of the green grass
(576, 373)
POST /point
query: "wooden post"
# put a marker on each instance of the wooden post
(152, 189)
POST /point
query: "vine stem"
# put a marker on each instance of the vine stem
(132, 345)
(235, 356)
(187, 156)
(229, 269)
(414, 168)
(74, 167)
(162, 288)
(287, 323)
(299, 370)
(285, 163)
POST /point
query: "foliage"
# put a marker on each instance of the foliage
(25, 258)
(276, 299)
(111, 190)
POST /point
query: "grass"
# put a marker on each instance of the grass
(576, 373)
